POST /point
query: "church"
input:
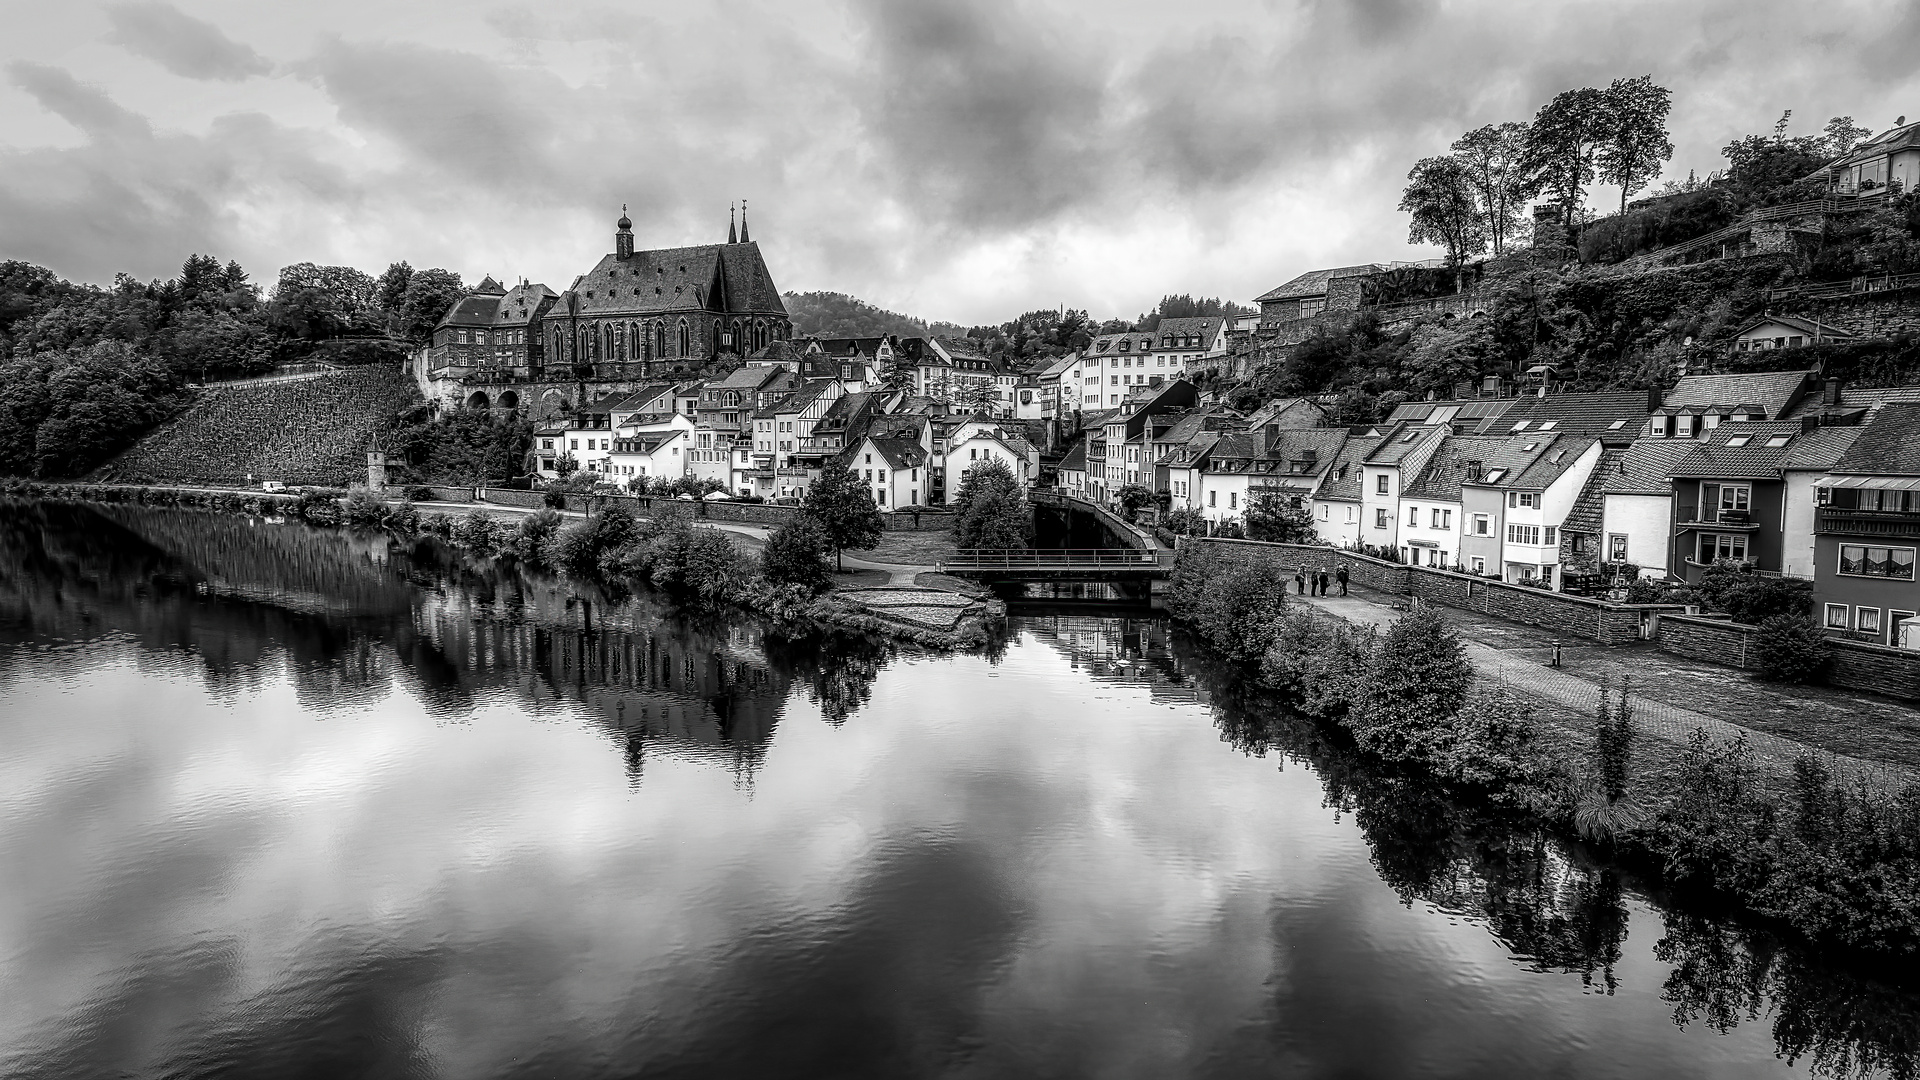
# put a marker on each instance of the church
(634, 317)
(671, 309)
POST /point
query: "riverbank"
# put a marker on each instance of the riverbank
(911, 603)
(1824, 845)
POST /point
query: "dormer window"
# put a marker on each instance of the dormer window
(1530, 448)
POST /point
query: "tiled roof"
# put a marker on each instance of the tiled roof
(1288, 412)
(681, 280)
(1645, 467)
(1739, 452)
(1870, 399)
(1314, 282)
(1589, 508)
(1107, 343)
(900, 453)
(643, 397)
(1551, 462)
(1773, 391)
(1076, 459)
(1805, 326)
(1890, 446)
(1345, 476)
(1403, 441)
(1205, 327)
(1616, 417)
(1884, 143)
(1448, 467)
(746, 378)
(1822, 448)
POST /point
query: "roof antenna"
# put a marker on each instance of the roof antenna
(730, 234)
(743, 222)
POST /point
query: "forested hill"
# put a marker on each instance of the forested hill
(831, 314)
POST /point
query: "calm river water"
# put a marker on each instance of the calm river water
(286, 802)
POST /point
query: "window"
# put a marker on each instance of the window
(546, 444)
(1324, 511)
(1860, 560)
(1837, 616)
(1482, 525)
(1549, 536)
(1352, 514)
(1379, 519)
(1523, 534)
(1523, 498)
(573, 444)
(1233, 500)
(1413, 517)
(1866, 620)
(1479, 565)
(1715, 546)
(1443, 519)
(1380, 484)
(1894, 620)
(1211, 495)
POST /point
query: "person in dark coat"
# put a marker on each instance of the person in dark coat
(1323, 581)
(1300, 581)
(1340, 575)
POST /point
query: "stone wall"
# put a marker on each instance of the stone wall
(1880, 314)
(1576, 616)
(1875, 669)
(444, 493)
(740, 513)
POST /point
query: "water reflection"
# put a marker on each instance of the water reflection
(283, 801)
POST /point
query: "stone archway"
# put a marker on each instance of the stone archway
(552, 403)
(508, 400)
(478, 400)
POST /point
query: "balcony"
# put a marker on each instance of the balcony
(1724, 521)
(1893, 524)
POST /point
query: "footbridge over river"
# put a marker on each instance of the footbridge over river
(1081, 542)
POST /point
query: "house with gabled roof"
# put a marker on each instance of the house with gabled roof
(1636, 506)
(1729, 498)
(1337, 502)
(1431, 514)
(1867, 531)
(1766, 333)
(1228, 470)
(892, 469)
(1313, 293)
(1814, 454)
(1402, 453)
(492, 329)
(1516, 501)
(1884, 162)
(1699, 403)
(1614, 417)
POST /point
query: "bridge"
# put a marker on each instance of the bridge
(1060, 564)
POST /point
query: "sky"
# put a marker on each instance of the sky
(963, 161)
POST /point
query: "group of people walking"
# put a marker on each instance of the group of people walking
(1312, 580)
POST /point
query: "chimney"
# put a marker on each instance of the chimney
(1831, 395)
(1654, 398)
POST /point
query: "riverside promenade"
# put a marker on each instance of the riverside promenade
(1873, 739)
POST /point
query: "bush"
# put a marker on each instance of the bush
(364, 508)
(1241, 612)
(533, 536)
(1750, 597)
(798, 553)
(1496, 749)
(477, 532)
(1417, 684)
(1791, 649)
(421, 493)
(318, 506)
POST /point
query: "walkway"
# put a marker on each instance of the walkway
(1519, 656)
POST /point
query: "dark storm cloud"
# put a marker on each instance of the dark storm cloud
(182, 44)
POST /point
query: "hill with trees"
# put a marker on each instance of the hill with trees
(836, 315)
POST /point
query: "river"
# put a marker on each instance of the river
(282, 801)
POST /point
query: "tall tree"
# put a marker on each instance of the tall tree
(1561, 144)
(1493, 157)
(844, 509)
(429, 294)
(991, 510)
(1440, 197)
(1633, 134)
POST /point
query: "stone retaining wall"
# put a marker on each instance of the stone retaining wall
(740, 513)
(1857, 665)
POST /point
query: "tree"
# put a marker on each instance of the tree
(1633, 134)
(390, 291)
(990, 509)
(1492, 157)
(1133, 498)
(1418, 683)
(1273, 517)
(796, 554)
(1561, 143)
(844, 509)
(1440, 196)
(1843, 135)
(429, 294)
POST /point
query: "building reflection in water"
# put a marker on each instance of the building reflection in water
(1135, 650)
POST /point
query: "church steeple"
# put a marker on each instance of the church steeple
(732, 238)
(743, 222)
(623, 234)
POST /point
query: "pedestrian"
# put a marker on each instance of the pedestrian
(1340, 575)
(1323, 581)
(1300, 580)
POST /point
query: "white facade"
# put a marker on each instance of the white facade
(1337, 521)
(979, 446)
(1430, 531)
(668, 457)
(1637, 529)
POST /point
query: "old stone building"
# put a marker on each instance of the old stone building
(634, 317)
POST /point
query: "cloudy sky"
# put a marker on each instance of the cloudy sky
(955, 160)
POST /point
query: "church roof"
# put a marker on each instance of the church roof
(711, 278)
(517, 307)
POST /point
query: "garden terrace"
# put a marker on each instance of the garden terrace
(309, 431)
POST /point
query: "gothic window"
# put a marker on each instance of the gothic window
(606, 342)
(619, 341)
(716, 336)
(659, 340)
(686, 339)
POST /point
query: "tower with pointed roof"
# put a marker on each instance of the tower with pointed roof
(623, 235)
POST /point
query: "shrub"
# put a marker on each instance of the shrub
(436, 525)
(1241, 610)
(364, 508)
(532, 537)
(477, 532)
(404, 518)
(318, 506)
(421, 493)
(1496, 749)
(1791, 649)
(797, 554)
(1417, 683)
(1751, 597)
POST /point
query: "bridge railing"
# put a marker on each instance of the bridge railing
(1055, 559)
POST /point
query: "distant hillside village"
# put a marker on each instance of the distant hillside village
(1721, 372)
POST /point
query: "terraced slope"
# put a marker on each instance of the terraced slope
(309, 431)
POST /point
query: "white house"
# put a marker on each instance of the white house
(1337, 503)
(981, 444)
(893, 470)
(1636, 517)
(650, 453)
(1400, 456)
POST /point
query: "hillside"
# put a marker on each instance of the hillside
(308, 431)
(831, 314)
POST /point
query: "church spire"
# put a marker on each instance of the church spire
(743, 222)
(623, 234)
(732, 237)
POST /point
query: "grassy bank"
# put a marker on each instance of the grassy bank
(696, 568)
(1837, 863)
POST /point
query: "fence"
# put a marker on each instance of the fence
(765, 515)
(1860, 286)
